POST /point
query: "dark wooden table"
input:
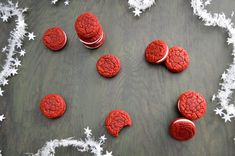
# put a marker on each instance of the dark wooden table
(149, 93)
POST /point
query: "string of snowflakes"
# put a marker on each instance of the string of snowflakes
(13, 50)
(223, 97)
(89, 144)
(138, 6)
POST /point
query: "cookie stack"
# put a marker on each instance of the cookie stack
(89, 30)
(192, 106)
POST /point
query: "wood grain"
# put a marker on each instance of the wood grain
(149, 93)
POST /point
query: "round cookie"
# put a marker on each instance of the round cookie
(54, 39)
(87, 27)
(116, 120)
(108, 65)
(156, 52)
(192, 105)
(177, 59)
(53, 106)
(182, 129)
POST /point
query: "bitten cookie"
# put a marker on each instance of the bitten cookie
(116, 120)
(53, 106)
(177, 59)
(108, 65)
(55, 39)
(192, 105)
(156, 52)
(182, 129)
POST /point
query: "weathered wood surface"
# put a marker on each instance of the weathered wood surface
(149, 93)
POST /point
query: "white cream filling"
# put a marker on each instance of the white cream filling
(161, 60)
(184, 120)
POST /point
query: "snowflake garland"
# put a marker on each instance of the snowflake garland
(66, 2)
(140, 6)
(223, 97)
(14, 48)
(89, 144)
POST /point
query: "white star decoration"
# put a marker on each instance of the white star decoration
(89, 144)
(13, 50)
(4, 18)
(137, 12)
(66, 2)
(22, 52)
(2, 117)
(1, 92)
(31, 36)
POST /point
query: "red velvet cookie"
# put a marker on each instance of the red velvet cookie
(116, 120)
(53, 106)
(55, 39)
(192, 105)
(156, 52)
(87, 26)
(108, 65)
(182, 129)
(177, 59)
(89, 30)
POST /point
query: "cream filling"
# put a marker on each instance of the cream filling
(161, 60)
(184, 120)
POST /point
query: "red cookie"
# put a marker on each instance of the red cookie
(156, 52)
(116, 120)
(55, 39)
(108, 65)
(192, 105)
(53, 106)
(87, 26)
(182, 129)
(177, 59)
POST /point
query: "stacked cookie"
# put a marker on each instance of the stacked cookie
(89, 30)
(192, 106)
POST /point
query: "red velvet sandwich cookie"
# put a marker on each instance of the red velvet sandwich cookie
(177, 59)
(108, 65)
(156, 52)
(53, 106)
(54, 39)
(89, 30)
(116, 120)
(182, 129)
(192, 105)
